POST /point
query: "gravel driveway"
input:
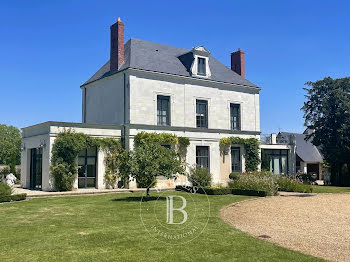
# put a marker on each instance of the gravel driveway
(316, 224)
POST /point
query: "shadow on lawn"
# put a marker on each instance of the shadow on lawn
(298, 195)
(138, 199)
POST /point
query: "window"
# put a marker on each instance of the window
(163, 110)
(236, 165)
(235, 116)
(202, 156)
(87, 168)
(278, 160)
(201, 66)
(202, 113)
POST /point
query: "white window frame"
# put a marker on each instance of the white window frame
(194, 67)
(240, 103)
(195, 110)
(241, 151)
(155, 95)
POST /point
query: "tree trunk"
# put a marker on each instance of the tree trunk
(147, 192)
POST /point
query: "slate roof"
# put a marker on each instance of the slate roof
(150, 56)
(305, 149)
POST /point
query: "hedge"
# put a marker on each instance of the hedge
(246, 192)
(17, 197)
(214, 191)
(222, 191)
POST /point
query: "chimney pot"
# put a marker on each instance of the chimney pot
(237, 62)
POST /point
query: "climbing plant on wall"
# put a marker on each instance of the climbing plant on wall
(251, 146)
(113, 150)
(69, 144)
(65, 151)
(162, 138)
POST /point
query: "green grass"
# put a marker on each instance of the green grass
(108, 228)
(330, 189)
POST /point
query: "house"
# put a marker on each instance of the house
(309, 159)
(153, 87)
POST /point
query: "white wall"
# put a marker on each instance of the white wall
(145, 87)
(104, 102)
(34, 142)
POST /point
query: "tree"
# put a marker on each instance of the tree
(327, 113)
(10, 146)
(148, 161)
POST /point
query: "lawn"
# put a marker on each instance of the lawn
(108, 228)
(330, 189)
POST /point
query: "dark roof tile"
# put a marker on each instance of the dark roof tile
(150, 56)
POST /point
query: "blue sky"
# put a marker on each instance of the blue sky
(49, 48)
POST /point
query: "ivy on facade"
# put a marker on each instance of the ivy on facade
(65, 151)
(161, 138)
(179, 142)
(251, 146)
(69, 144)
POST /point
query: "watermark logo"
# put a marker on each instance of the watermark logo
(175, 217)
(170, 210)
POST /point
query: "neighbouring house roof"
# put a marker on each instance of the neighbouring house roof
(154, 57)
(305, 149)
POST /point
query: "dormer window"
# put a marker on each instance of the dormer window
(199, 59)
(201, 66)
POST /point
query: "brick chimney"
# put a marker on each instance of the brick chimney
(117, 45)
(237, 62)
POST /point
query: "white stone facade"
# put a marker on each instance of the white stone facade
(43, 136)
(134, 101)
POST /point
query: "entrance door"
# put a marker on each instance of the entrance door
(36, 163)
(87, 168)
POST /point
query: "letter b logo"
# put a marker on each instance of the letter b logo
(170, 210)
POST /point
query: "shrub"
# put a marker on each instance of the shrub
(306, 178)
(292, 185)
(245, 192)
(215, 191)
(220, 191)
(65, 150)
(234, 175)
(258, 181)
(18, 175)
(5, 171)
(64, 175)
(5, 190)
(200, 177)
(183, 188)
(17, 197)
